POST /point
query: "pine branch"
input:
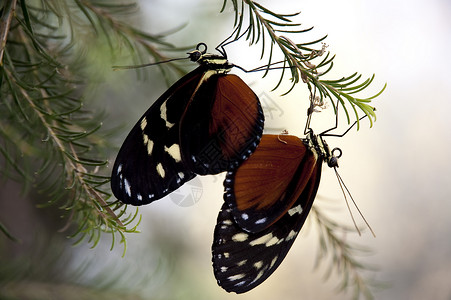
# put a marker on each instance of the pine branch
(102, 17)
(343, 255)
(8, 12)
(45, 269)
(49, 141)
(6, 232)
(302, 59)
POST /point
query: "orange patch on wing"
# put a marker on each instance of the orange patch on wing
(234, 113)
(274, 176)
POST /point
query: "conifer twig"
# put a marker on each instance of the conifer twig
(5, 24)
(305, 63)
(343, 255)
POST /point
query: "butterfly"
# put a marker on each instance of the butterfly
(208, 122)
(267, 200)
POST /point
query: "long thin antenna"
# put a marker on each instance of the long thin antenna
(264, 68)
(147, 65)
(342, 184)
(347, 203)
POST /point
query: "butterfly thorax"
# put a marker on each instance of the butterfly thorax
(213, 62)
(319, 146)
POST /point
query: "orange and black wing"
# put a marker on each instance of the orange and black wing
(267, 185)
(242, 260)
(206, 123)
(222, 125)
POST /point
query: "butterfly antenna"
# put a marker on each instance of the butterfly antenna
(346, 200)
(265, 67)
(342, 184)
(115, 68)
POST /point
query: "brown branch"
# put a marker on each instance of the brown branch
(93, 194)
(5, 23)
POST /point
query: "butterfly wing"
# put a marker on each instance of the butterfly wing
(267, 185)
(222, 125)
(149, 164)
(243, 260)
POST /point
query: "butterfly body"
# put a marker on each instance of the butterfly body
(208, 122)
(267, 200)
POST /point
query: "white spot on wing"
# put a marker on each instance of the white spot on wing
(148, 143)
(260, 221)
(291, 235)
(244, 216)
(295, 210)
(240, 283)
(236, 277)
(240, 237)
(160, 170)
(267, 239)
(128, 189)
(273, 241)
(258, 265)
(140, 198)
(174, 152)
(227, 222)
(119, 169)
(181, 175)
(143, 123)
(164, 115)
(241, 263)
(273, 262)
(149, 147)
(260, 274)
(223, 269)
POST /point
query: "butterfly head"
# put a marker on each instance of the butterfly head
(215, 62)
(197, 54)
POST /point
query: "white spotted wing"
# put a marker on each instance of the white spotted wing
(149, 165)
(242, 260)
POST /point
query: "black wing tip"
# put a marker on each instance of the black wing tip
(139, 199)
(231, 275)
(129, 190)
(131, 200)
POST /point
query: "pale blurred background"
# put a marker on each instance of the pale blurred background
(398, 171)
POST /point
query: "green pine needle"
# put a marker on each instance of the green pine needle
(50, 138)
(300, 58)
